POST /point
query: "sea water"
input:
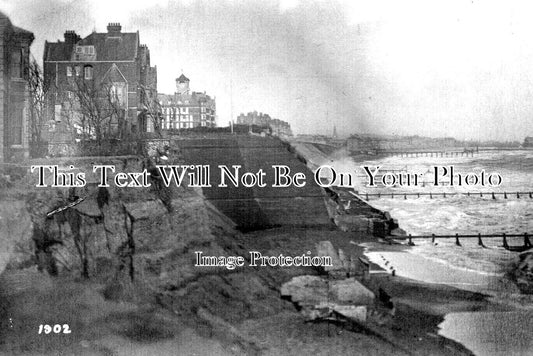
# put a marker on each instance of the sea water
(469, 266)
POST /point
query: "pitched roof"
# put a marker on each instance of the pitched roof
(57, 51)
(114, 75)
(182, 79)
(116, 47)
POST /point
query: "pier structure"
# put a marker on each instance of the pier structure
(429, 153)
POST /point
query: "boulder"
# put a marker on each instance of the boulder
(350, 291)
(306, 290)
(325, 248)
(314, 290)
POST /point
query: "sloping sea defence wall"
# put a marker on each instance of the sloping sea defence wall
(257, 207)
(348, 212)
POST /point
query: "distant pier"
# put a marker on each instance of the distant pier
(467, 152)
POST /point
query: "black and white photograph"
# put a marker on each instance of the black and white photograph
(266, 177)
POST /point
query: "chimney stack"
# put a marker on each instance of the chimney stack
(114, 28)
(71, 37)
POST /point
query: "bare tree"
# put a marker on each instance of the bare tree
(38, 112)
(151, 108)
(95, 109)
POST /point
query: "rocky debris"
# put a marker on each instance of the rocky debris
(398, 232)
(523, 274)
(15, 232)
(326, 249)
(306, 290)
(350, 291)
(319, 298)
(343, 265)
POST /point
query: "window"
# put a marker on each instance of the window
(16, 126)
(16, 63)
(69, 71)
(89, 50)
(57, 113)
(78, 71)
(79, 49)
(88, 72)
(118, 93)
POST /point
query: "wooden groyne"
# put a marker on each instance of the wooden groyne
(493, 195)
(429, 153)
(526, 242)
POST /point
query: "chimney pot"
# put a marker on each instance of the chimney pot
(114, 27)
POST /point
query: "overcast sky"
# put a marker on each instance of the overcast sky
(439, 68)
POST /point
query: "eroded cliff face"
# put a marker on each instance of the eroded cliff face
(134, 232)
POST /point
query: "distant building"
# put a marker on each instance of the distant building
(185, 109)
(14, 94)
(277, 127)
(115, 58)
(528, 142)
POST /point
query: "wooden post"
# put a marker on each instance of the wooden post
(366, 196)
(433, 238)
(505, 245)
(504, 195)
(410, 243)
(527, 243)
(479, 241)
(457, 240)
(493, 196)
(517, 195)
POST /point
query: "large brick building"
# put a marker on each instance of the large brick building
(186, 109)
(114, 58)
(14, 94)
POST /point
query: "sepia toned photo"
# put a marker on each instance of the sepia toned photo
(279, 177)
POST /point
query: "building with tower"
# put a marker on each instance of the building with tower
(115, 60)
(14, 91)
(186, 109)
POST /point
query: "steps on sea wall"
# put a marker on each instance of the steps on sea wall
(257, 207)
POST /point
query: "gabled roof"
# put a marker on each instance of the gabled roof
(114, 75)
(116, 47)
(182, 79)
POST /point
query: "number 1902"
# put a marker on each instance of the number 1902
(56, 329)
